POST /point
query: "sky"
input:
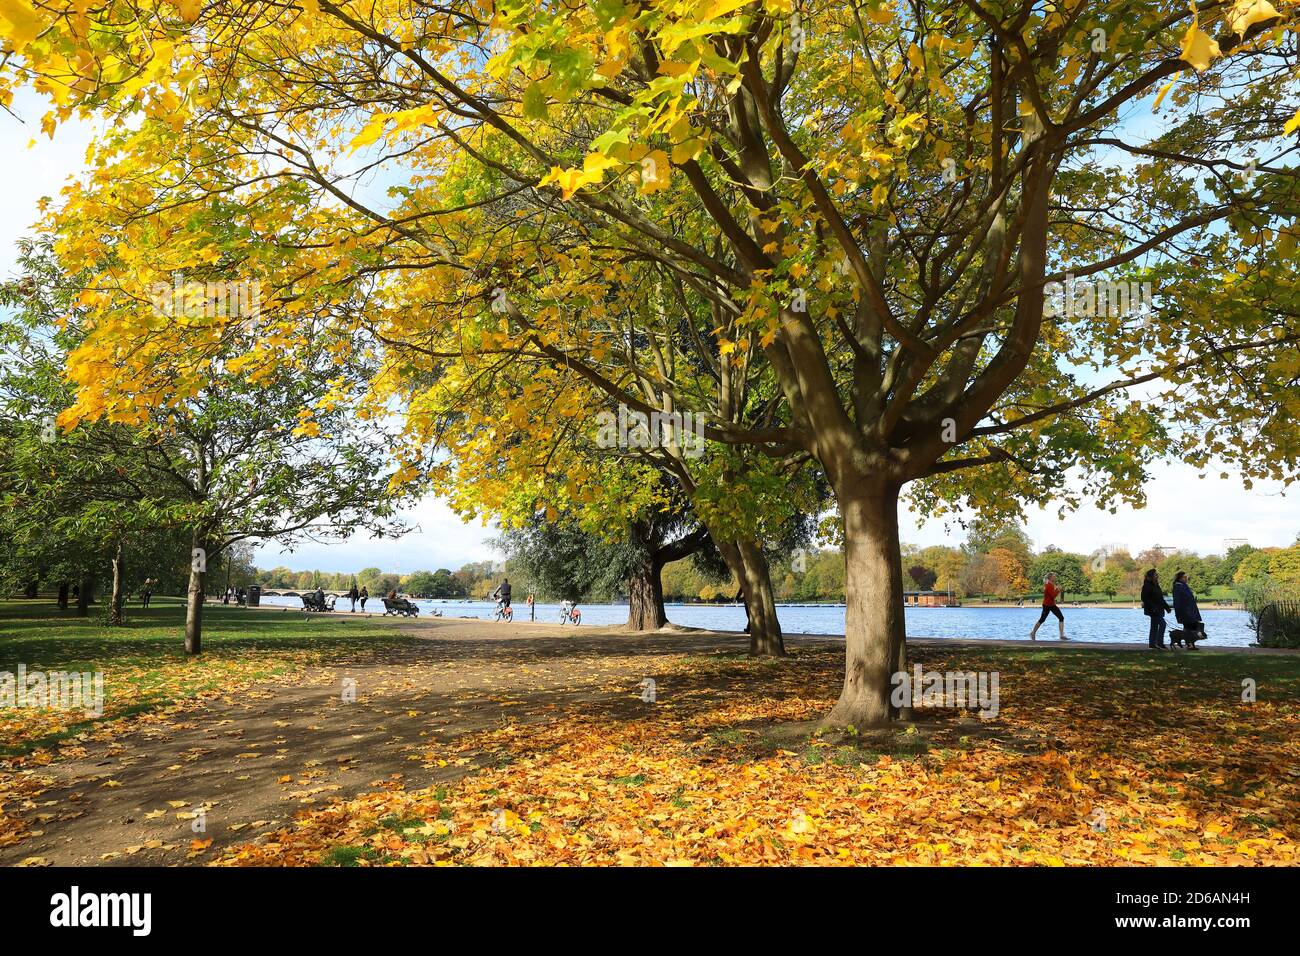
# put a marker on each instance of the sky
(1183, 510)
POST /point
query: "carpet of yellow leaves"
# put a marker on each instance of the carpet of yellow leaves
(1100, 759)
(137, 694)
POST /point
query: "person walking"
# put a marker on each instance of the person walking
(146, 592)
(1186, 611)
(353, 594)
(1050, 595)
(362, 597)
(1154, 606)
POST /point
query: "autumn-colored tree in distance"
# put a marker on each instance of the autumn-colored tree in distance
(869, 203)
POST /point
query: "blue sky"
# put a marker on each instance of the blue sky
(1184, 510)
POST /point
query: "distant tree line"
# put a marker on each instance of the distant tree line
(997, 560)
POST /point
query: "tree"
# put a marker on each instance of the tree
(420, 584)
(1252, 567)
(989, 533)
(888, 209)
(1011, 570)
(561, 560)
(922, 577)
(1068, 569)
(983, 575)
(948, 564)
(1108, 581)
(71, 502)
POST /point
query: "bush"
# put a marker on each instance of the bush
(1279, 625)
(1274, 611)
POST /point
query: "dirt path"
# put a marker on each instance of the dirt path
(228, 770)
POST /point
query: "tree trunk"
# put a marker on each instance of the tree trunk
(119, 586)
(645, 598)
(765, 636)
(33, 590)
(874, 628)
(747, 562)
(194, 603)
(84, 595)
(63, 595)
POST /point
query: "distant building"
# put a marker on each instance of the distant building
(929, 599)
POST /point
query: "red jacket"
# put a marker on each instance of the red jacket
(1050, 592)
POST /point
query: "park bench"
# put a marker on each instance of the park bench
(400, 607)
(310, 603)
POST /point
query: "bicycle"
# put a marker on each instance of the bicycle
(504, 612)
(570, 615)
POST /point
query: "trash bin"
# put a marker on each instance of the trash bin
(254, 595)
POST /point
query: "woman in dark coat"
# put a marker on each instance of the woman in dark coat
(1186, 610)
(1154, 606)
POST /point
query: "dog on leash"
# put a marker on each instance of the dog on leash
(1186, 638)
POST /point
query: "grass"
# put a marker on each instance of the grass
(144, 662)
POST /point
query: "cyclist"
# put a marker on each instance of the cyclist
(502, 593)
(565, 606)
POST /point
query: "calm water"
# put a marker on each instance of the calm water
(1115, 625)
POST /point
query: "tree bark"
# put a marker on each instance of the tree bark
(645, 598)
(33, 590)
(194, 603)
(747, 562)
(63, 595)
(119, 586)
(85, 595)
(875, 635)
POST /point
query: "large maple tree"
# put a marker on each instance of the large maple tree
(869, 198)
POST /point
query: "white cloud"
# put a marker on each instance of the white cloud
(29, 174)
(440, 539)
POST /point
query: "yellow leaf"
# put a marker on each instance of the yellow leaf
(19, 23)
(1161, 95)
(720, 8)
(1246, 13)
(188, 9)
(1292, 123)
(1199, 48)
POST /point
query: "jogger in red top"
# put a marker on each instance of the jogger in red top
(1050, 593)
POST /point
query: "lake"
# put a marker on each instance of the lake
(1106, 625)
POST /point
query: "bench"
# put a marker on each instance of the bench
(400, 607)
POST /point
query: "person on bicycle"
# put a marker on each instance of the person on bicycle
(565, 606)
(502, 593)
